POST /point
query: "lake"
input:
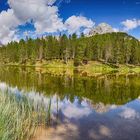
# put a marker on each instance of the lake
(103, 108)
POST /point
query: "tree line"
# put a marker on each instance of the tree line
(115, 48)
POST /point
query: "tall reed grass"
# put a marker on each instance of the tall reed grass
(18, 117)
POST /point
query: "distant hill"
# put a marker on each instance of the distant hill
(116, 48)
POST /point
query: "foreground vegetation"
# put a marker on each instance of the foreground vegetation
(18, 117)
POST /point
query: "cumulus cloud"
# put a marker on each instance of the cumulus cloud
(43, 14)
(116, 30)
(75, 24)
(8, 24)
(73, 110)
(129, 113)
(130, 24)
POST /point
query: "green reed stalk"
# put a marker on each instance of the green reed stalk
(18, 117)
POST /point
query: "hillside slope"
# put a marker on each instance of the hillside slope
(114, 48)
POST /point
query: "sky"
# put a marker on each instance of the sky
(35, 18)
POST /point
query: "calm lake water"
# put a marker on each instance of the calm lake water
(103, 108)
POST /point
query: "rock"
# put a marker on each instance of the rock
(101, 29)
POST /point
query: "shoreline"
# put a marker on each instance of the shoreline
(92, 69)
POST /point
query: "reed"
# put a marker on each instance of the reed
(18, 117)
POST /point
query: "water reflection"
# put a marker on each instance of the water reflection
(81, 109)
(80, 120)
(129, 113)
(107, 90)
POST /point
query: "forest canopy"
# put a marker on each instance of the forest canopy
(115, 48)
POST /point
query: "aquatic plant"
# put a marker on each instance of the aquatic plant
(18, 116)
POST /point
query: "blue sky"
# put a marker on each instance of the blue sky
(112, 12)
(101, 10)
(19, 18)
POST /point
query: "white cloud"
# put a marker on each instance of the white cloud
(72, 110)
(75, 23)
(87, 31)
(42, 12)
(116, 30)
(8, 24)
(44, 16)
(129, 113)
(130, 24)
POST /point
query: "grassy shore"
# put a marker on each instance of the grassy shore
(18, 117)
(92, 69)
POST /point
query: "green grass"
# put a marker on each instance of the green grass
(95, 68)
(18, 117)
(92, 69)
